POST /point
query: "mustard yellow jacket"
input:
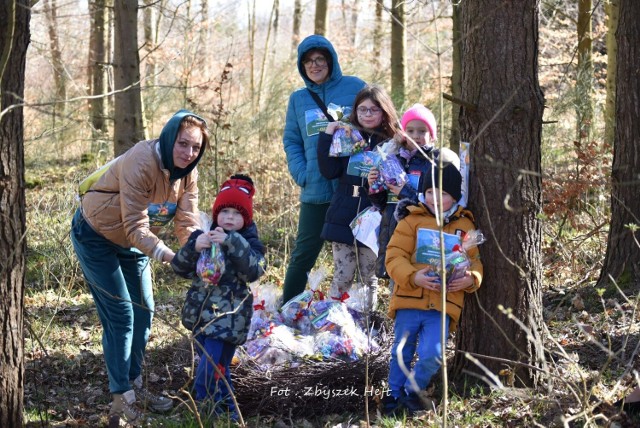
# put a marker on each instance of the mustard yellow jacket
(402, 265)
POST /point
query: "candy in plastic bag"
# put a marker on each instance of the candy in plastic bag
(391, 172)
(472, 239)
(457, 262)
(346, 141)
(210, 265)
(331, 346)
(292, 311)
(266, 297)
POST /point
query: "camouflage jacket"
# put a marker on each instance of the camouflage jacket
(222, 311)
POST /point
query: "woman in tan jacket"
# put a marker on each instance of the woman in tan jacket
(114, 234)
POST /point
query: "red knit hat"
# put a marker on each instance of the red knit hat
(237, 192)
(423, 114)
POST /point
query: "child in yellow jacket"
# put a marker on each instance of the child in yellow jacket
(416, 303)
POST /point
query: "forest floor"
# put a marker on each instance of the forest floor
(591, 344)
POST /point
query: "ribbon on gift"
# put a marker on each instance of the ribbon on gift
(259, 306)
(342, 298)
(319, 293)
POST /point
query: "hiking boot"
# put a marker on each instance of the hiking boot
(124, 409)
(157, 403)
(413, 403)
(389, 405)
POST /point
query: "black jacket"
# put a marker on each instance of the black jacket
(344, 205)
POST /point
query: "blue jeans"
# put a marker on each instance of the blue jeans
(207, 385)
(423, 331)
(120, 283)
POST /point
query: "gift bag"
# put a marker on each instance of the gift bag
(391, 172)
(346, 141)
(210, 265)
(366, 227)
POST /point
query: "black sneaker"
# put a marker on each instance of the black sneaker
(389, 405)
(413, 403)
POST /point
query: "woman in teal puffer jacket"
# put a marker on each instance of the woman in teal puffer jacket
(319, 68)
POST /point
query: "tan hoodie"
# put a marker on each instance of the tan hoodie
(130, 203)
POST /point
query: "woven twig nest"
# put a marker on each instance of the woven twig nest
(312, 388)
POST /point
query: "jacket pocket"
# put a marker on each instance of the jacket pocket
(412, 293)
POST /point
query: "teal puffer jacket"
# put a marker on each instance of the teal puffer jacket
(305, 120)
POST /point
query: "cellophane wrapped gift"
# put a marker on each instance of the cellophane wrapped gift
(391, 172)
(457, 262)
(334, 346)
(346, 141)
(319, 311)
(210, 265)
(295, 309)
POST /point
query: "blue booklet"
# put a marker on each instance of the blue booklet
(428, 246)
(361, 163)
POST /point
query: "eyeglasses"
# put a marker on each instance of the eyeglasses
(318, 61)
(372, 111)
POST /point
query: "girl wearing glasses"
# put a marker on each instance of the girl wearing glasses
(375, 117)
(323, 79)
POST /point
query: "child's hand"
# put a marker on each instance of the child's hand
(461, 283)
(424, 280)
(218, 235)
(331, 127)
(373, 176)
(203, 241)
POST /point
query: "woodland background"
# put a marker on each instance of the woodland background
(551, 339)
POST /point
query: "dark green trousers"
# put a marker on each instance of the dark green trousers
(307, 248)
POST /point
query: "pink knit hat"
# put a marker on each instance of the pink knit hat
(420, 112)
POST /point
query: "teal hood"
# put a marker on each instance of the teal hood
(316, 41)
(167, 140)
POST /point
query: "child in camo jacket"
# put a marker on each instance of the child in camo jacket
(219, 315)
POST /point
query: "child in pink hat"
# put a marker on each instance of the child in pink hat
(419, 128)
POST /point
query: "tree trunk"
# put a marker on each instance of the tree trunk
(128, 126)
(612, 11)
(622, 260)
(456, 66)
(378, 35)
(14, 40)
(297, 20)
(505, 184)
(398, 43)
(321, 17)
(584, 76)
(97, 74)
(149, 22)
(265, 57)
(276, 24)
(59, 74)
(252, 52)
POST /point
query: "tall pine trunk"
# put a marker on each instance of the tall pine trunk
(320, 22)
(622, 260)
(612, 11)
(128, 123)
(97, 74)
(398, 44)
(584, 76)
(59, 73)
(505, 184)
(14, 40)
